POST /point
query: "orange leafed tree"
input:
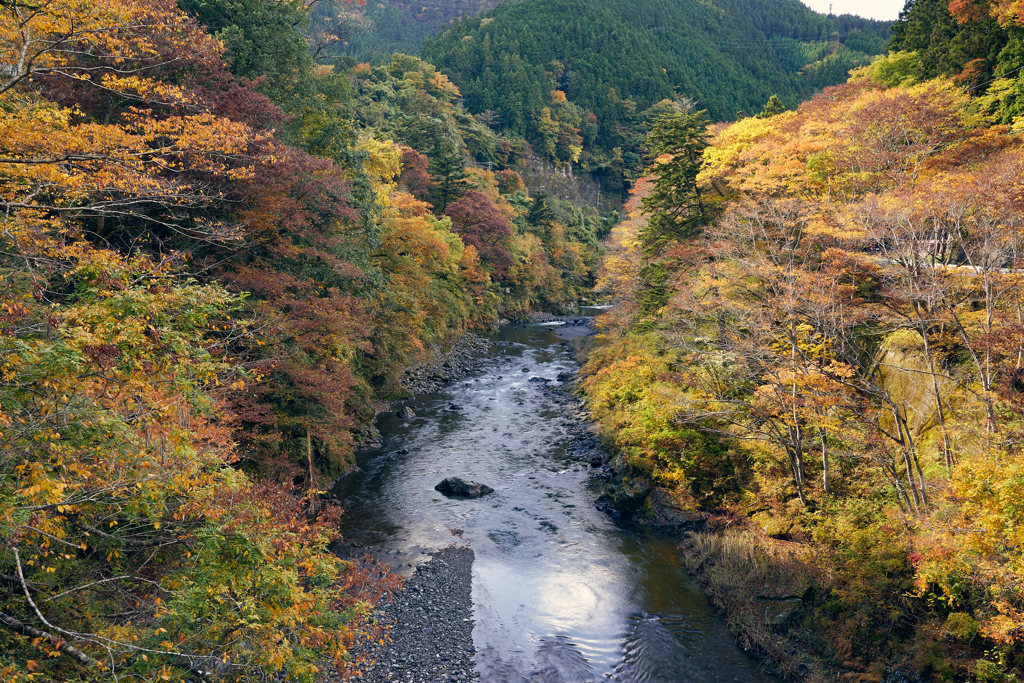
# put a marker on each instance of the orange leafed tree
(128, 540)
(1006, 12)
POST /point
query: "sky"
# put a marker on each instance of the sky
(872, 9)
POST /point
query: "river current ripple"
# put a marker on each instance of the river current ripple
(561, 592)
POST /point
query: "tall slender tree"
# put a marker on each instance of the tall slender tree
(676, 206)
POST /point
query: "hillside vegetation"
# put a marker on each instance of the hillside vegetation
(818, 338)
(374, 31)
(215, 258)
(580, 80)
(218, 254)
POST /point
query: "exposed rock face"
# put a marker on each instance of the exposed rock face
(455, 487)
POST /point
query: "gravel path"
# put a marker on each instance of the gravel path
(431, 624)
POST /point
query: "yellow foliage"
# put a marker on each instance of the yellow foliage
(730, 144)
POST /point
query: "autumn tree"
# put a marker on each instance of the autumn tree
(510, 182)
(414, 173)
(848, 326)
(481, 224)
(131, 543)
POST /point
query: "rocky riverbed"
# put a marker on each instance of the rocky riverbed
(429, 625)
(429, 620)
(462, 359)
(558, 591)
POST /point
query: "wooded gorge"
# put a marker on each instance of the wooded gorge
(223, 243)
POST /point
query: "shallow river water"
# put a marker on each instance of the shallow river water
(561, 591)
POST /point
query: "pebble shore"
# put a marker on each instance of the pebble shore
(462, 359)
(430, 625)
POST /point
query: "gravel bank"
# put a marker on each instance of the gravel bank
(462, 359)
(428, 378)
(430, 623)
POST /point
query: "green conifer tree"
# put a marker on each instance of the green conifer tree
(772, 107)
(447, 171)
(675, 204)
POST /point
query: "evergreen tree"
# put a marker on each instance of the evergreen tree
(772, 107)
(263, 40)
(947, 45)
(448, 174)
(613, 62)
(676, 145)
(540, 216)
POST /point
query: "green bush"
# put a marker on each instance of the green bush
(961, 626)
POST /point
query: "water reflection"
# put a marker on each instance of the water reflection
(561, 593)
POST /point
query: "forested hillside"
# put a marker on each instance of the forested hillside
(218, 253)
(580, 80)
(216, 257)
(982, 50)
(374, 31)
(818, 339)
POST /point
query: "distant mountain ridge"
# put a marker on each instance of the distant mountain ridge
(380, 28)
(728, 55)
(581, 80)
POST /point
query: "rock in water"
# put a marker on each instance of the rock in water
(406, 412)
(457, 488)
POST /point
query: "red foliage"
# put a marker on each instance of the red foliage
(480, 223)
(965, 11)
(509, 182)
(235, 98)
(973, 75)
(414, 173)
(298, 225)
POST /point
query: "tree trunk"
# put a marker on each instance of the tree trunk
(824, 461)
(940, 414)
(795, 467)
(59, 644)
(314, 500)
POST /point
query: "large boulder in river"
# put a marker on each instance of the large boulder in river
(454, 487)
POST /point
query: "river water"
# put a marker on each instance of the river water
(561, 591)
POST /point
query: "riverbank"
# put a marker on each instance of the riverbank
(429, 621)
(463, 358)
(454, 364)
(844, 610)
(429, 625)
(558, 587)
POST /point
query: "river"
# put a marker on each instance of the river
(559, 587)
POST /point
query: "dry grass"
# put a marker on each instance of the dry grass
(740, 570)
(746, 560)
